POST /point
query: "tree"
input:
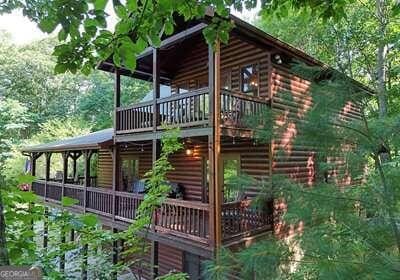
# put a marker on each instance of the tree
(86, 39)
(337, 232)
(362, 42)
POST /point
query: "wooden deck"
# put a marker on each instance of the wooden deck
(179, 218)
(188, 110)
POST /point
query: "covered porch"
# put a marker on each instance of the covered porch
(185, 216)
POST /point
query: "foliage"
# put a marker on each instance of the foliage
(38, 106)
(86, 39)
(348, 43)
(25, 217)
(339, 227)
(157, 191)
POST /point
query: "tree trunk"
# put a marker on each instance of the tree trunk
(381, 58)
(389, 203)
(4, 260)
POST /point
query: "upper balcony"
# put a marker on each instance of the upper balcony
(188, 110)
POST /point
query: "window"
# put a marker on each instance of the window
(182, 87)
(249, 79)
(230, 172)
(202, 82)
(226, 80)
(130, 173)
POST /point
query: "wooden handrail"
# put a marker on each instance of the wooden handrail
(187, 203)
(180, 96)
(100, 190)
(135, 106)
(188, 219)
(73, 186)
(129, 194)
(244, 96)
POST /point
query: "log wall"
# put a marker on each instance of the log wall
(193, 69)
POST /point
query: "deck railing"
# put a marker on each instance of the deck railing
(184, 218)
(187, 109)
(136, 118)
(240, 218)
(127, 205)
(188, 219)
(237, 109)
(190, 109)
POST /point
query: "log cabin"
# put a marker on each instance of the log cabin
(207, 92)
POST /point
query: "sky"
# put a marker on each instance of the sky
(24, 31)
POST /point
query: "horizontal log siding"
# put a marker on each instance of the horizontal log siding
(254, 161)
(169, 259)
(193, 69)
(188, 172)
(291, 100)
(144, 157)
(104, 169)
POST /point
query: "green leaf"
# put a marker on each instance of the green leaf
(120, 11)
(100, 4)
(169, 28)
(68, 201)
(117, 58)
(140, 45)
(62, 35)
(48, 25)
(131, 5)
(89, 220)
(25, 179)
(155, 40)
(28, 197)
(60, 68)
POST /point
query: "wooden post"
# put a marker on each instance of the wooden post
(215, 198)
(72, 236)
(62, 257)
(115, 255)
(47, 175)
(117, 98)
(65, 172)
(115, 185)
(87, 155)
(156, 86)
(33, 159)
(85, 250)
(46, 227)
(156, 148)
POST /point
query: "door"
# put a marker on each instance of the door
(192, 266)
(229, 171)
(129, 172)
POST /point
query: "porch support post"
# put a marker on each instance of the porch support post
(115, 178)
(33, 158)
(115, 150)
(87, 155)
(84, 267)
(46, 227)
(47, 173)
(156, 86)
(156, 149)
(62, 257)
(117, 98)
(65, 172)
(72, 235)
(74, 167)
(214, 144)
(115, 255)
